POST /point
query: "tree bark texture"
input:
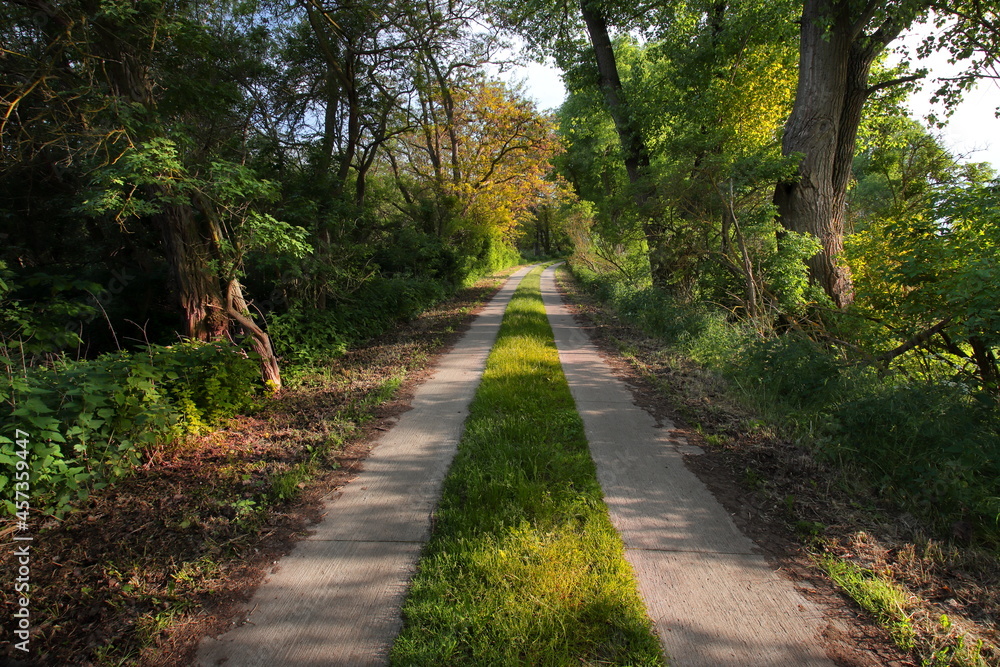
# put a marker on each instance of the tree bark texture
(236, 307)
(189, 253)
(835, 58)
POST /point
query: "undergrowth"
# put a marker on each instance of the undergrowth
(931, 447)
(85, 424)
(886, 601)
(524, 566)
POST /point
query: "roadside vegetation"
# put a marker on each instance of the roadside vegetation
(146, 566)
(916, 563)
(523, 566)
(205, 203)
(235, 202)
(852, 322)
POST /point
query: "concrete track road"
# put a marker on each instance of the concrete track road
(335, 600)
(714, 600)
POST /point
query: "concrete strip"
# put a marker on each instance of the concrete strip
(335, 599)
(713, 598)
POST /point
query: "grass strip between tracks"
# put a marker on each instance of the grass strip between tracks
(524, 566)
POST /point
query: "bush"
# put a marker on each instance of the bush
(305, 336)
(88, 422)
(698, 330)
(932, 447)
(486, 254)
(414, 254)
(791, 370)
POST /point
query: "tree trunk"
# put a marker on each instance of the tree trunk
(812, 203)
(189, 254)
(189, 250)
(835, 58)
(634, 150)
(236, 307)
(986, 361)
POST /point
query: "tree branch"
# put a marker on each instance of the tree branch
(894, 82)
(866, 15)
(916, 341)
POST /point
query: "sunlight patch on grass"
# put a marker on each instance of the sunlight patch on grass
(524, 566)
(886, 601)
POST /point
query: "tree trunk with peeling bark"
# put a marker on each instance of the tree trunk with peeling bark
(192, 236)
(236, 307)
(189, 254)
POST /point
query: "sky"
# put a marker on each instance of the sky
(972, 132)
(543, 83)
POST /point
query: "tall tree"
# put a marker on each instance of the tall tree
(635, 151)
(484, 152)
(556, 30)
(153, 120)
(839, 42)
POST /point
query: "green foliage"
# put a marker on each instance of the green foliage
(34, 311)
(885, 600)
(930, 446)
(411, 253)
(787, 275)
(708, 95)
(415, 271)
(308, 335)
(926, 252)
(114, 187)
(91, 422)
(700, 330)
(792, 370)
(305, 336)
(486, 253)
(935, 449)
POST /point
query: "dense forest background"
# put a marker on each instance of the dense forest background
(195, 195)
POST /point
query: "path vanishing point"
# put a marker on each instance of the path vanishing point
(336, 598)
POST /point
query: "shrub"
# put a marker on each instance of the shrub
(89, 422)
(934, 448)
(412, 253)
(485, 254)
(699, 330)
(791, 370)
(305, 336)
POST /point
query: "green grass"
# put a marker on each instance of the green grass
(523, 566)
(934, 640)
(883, 599)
